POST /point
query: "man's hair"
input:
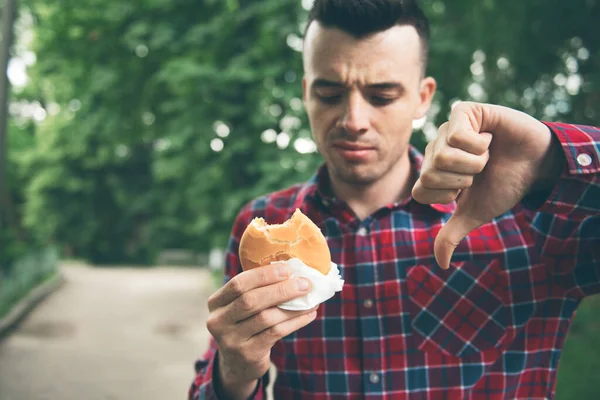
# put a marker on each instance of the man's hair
(361, 18)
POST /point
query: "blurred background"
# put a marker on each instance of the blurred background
(132, 132)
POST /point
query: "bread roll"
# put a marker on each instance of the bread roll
(298, 237)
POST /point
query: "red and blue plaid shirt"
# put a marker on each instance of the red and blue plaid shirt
(490, 327)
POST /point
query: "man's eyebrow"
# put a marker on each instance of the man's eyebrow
(387, 86)
(326, 83)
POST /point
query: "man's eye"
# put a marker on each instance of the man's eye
(381, 101)
(331, 99)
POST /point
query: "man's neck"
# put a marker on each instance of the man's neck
(394, 186)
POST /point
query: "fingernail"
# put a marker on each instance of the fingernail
(283, 271)
(302, 284)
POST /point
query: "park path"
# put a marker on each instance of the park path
(110, 334)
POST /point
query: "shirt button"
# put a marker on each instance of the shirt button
(584, 159)
(368, 303)
(374, 378)
(361, 231)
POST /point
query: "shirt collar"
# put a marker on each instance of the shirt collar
(318, 188)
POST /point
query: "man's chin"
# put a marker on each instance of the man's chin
(355, 175)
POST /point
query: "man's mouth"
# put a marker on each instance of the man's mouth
(353, 151)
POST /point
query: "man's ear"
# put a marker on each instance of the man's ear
(426, 92)
(304, 89)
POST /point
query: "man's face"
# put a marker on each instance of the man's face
(361, 96)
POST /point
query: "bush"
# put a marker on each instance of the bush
(30, 269)
(579, 362)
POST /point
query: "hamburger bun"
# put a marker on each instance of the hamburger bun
(298, 237)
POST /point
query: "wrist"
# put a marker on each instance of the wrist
(227, 386)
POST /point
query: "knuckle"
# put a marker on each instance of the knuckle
(442, 130)
(275, 332)
(212, 324)
(214, 300)
(428, 179)
(478, 166)
(444, 126)
(465, 182)
(417, 192)
(263, 318)
(455, 139)
(463, 106)
(211, 302)
(442, 160)
(483, 163)
(247, 302)
(429, 148)
(235, 286)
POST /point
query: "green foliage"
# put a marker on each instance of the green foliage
(126, 167)
(29, 270)
(174, 114)
(165, 117)
(579, 364)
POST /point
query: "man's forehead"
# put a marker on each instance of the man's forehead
(331, 49)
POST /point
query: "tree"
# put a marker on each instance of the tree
(165, 117)
(11, 239)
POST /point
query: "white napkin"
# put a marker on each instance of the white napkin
(323, 287)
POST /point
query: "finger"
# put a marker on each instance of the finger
(451, 159)
(434, 179)
(451, 234)
(443, 131)
(465, 124)
(256, 300)
(266, 319)
(270, 336)
(437, 144)
(424, 195)
(466, 141)
(246, 281)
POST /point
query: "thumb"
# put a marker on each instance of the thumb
(452, 233)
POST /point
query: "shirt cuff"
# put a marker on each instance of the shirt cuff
(571, 193)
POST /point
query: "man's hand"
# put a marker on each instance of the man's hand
(487, 158)
(246, 323)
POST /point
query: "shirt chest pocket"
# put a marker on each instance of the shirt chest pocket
(461, 311)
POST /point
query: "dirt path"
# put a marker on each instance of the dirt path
(110, 334)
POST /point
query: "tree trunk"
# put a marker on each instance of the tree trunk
(6, 25)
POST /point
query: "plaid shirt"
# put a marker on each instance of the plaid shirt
(490, 327)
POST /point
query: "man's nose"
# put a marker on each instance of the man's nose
(356, 115)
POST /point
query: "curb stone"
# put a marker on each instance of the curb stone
(20, 310)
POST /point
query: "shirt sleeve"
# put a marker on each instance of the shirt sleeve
(204, 386)
(567, 223)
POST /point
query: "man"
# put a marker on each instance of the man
(462, 268)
